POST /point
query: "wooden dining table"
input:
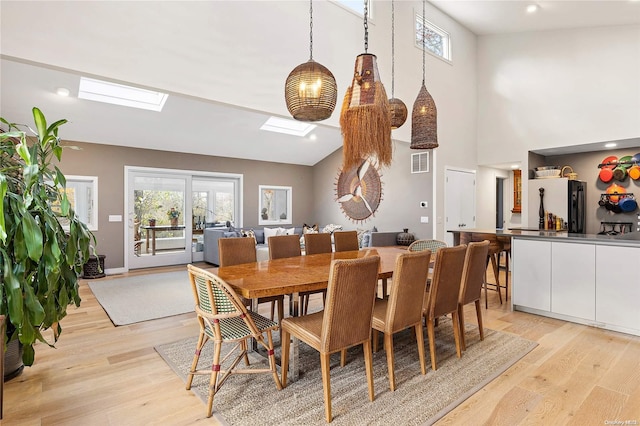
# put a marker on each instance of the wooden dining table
(293, 275)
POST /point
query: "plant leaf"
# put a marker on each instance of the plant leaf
(3, 191)
(41, 123)
(32, 237)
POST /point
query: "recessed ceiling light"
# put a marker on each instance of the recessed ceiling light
(532, 8)
(313, 137)
(289, 127)
(610, 145)
(62, 91)
(119, 94)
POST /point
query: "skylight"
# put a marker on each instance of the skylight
(119, 94)
(289, 127)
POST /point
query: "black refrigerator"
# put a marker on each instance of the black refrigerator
(576, 208)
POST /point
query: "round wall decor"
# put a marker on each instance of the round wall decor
(359, 191)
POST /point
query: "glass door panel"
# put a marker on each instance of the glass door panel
(159, 227)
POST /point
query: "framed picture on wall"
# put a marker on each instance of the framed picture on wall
(275, 205)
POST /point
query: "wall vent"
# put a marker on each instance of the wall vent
(420, 162)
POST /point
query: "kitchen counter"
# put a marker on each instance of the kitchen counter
(628, 239)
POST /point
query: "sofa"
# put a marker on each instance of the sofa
(368, 238)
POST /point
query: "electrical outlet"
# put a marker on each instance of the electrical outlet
(424, 219)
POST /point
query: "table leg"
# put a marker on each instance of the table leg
(146, 248)
(294, 304)
(153, 242)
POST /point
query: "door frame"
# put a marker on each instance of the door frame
(189, 175)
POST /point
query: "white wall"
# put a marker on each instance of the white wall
(556, 88)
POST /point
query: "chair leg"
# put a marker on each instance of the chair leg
(343, 358)
(507, 255)
(202, 339)
(326, 384)
(496, 272)
(375, 338)
(456, 332)
(368, 363)
(213, 381)
(420, 341)
(479, 316)
(272, 361)
(243, 348)
(463, 343)
(384, 288)
(280, 303)
(284, 336)
(273, 310)
(388, 347)
(432, 343)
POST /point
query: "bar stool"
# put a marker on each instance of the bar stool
(506, 246)
(495, 247)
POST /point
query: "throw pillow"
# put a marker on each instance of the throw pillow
(331, 228)
(306, 229)
(250, 234)
(366, 239)
(281, 231)
(290, 231)
(270, 232)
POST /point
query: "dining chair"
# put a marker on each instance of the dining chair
(282, 246)
(345, 321)
(315, 243)
(444, 293)
(223, 318)
(433, 245)
(236, 251)
(403, 308)
(473, 275)
(346, 240)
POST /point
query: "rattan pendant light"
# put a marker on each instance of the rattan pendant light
(424, 119)
(364, 119)
(310, 90)
(397, 108)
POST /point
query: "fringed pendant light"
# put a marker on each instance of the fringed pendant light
(424, 120)
(310, 90)
(397, 108)
(364, 119)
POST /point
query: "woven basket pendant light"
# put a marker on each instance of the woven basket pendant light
(364, 119)
(424, 118)
(310, 90)
(397, 108)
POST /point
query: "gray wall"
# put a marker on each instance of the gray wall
(108, 161)
(586, 166)
(402, 192)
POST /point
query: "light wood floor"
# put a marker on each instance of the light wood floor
(105, 375)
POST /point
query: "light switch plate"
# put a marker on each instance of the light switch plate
(424, 219)
(115, 218)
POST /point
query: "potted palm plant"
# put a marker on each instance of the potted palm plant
(40, 260)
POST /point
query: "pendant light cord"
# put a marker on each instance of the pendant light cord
(310, 30)
(393, 49)
(423, 42)
(366, 26)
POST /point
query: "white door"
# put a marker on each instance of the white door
(160, 233)
(460, 201)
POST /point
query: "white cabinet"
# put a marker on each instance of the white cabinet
(531, 273)
(573, 278)
(618, 288)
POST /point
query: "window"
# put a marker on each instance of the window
(436, 40)
(356, 6)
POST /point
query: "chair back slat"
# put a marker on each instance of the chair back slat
(407, 295)
(346, 240)
(447, 277)
(317, 243)
(349, 307)
(283, 246)
(475, 264)
(235, 251)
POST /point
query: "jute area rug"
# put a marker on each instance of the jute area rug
(141, 298)
(418, 399)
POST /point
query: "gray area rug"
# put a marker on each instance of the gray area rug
(418, 399)
(141, 298)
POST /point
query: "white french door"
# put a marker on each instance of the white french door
(159, 229)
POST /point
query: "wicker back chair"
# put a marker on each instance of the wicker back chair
(403, 308)
(433, 245)
(473, 274)
(223, 318)
(236, 251)
(346, 240)
(444, 294)
(282, 246)
(317, 243)
(345, 321)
